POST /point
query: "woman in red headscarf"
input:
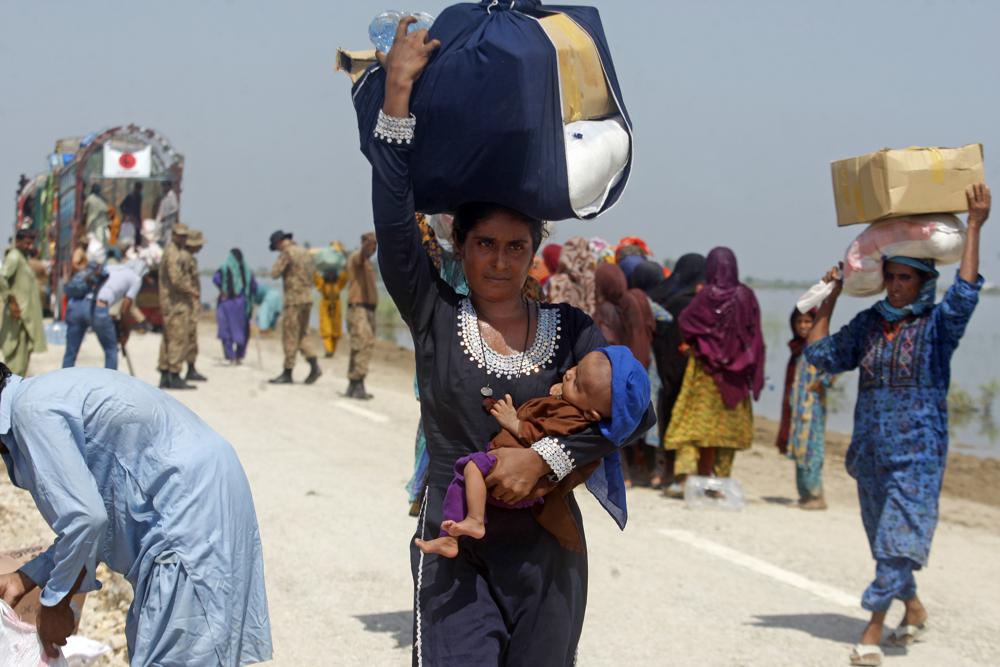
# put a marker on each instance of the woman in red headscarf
(722, 331)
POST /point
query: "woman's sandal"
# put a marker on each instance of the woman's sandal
(867, 655)
(905, 635)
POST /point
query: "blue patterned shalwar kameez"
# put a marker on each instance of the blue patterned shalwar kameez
(900, 444)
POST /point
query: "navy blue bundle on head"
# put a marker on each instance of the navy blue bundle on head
(629, 394)
(489, 111)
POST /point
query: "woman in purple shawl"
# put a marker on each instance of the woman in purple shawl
(237, 288)
(712, 418)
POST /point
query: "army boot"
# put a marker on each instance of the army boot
(176, 382)
(194, 376)
(284, 378)
(314, 371)
(359, 391)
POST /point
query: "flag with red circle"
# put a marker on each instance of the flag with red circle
(127, 163)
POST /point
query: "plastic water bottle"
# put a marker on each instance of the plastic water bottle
(714, 493)
(55, 333)
(382, 30)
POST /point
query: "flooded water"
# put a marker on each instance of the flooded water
(975, 391)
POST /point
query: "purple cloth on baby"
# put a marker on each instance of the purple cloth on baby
(455, 507)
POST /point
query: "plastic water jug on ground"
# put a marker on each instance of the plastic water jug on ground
(55, 333)
(722, 493)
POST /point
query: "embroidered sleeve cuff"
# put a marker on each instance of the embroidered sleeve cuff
(557, 456)
(393, 130)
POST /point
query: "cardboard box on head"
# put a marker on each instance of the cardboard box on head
(29, 605)
(908, 181)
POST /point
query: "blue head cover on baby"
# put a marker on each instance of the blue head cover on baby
(629, 394)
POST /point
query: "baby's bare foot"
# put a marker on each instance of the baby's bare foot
(442, 546)
(467, 527)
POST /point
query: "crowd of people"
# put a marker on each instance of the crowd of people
(691, 327)
(697, 331)
(584, 364)
(194, 561)
(694, 328)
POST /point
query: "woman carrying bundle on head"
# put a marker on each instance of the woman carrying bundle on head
(516, 596)
(903, 347)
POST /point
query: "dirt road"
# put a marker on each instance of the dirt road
(770, 585)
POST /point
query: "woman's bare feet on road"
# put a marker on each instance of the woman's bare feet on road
(442, 546)
(467, 527)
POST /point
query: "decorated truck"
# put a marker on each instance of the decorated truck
(52, 203)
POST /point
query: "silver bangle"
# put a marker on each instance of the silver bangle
(394, 130)
(555, 455)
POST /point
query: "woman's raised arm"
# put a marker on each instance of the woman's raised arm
(404, 266)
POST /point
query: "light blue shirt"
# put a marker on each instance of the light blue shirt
(122, 282)
(126, 475)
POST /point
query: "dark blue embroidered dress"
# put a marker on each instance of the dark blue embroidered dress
(900, 443)
(516, 597)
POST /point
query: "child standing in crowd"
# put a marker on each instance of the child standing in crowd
(803, 416)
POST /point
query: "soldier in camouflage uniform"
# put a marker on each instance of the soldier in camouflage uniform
(177, 291)
(362, 299)
(295, 267)
(195, 242)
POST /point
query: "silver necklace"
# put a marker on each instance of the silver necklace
(487, 390)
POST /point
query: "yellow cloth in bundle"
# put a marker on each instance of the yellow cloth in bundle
(585, 92)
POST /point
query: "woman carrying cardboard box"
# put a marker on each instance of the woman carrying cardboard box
(903, 347)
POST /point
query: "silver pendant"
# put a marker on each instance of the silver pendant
(486, 391)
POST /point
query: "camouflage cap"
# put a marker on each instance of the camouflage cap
(180, 229)
(195, 238)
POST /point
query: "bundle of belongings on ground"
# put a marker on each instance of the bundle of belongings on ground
(908, 198)
(520, 106)
(19, 642)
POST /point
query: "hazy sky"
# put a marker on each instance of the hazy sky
(738, 108)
